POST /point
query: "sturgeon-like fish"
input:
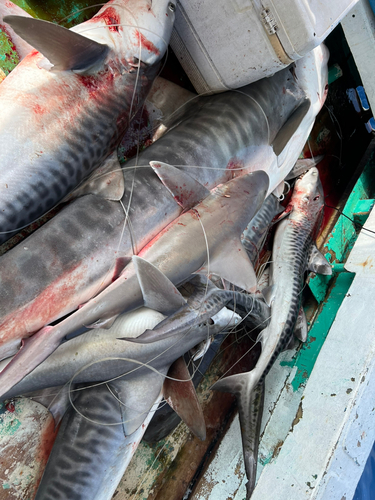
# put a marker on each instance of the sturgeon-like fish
(293, 253)
(223, 136)
(65, 107)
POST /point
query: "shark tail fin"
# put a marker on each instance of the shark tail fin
(250, 399)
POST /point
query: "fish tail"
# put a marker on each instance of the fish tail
(250, 399)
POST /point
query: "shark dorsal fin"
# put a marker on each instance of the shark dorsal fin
(181, 396)
(185, 190)
(65, 49)
(290, 126)
(159, 293)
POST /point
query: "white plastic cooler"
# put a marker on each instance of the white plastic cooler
(225, 44)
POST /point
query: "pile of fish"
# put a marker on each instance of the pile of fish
(146, 261)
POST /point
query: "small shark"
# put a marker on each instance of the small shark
(293, 253)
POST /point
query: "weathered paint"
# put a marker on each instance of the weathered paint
(344, 234)
(26, 438)
(305, 358)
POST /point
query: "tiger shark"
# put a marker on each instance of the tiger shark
(262, 127)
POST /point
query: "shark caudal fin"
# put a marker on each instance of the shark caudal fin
(65, 49)
(179, 392)
(250, 399)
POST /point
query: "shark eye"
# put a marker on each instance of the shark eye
(172, 7)
(317, 197)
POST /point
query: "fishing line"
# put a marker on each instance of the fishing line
(355, 223)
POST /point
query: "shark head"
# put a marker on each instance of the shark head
(308, 193)
(138, 29)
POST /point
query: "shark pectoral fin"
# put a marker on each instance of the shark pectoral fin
(301, 330)
(232, 263)
(159, 293)
(103, 323)
(136, 396)
(290, 126)
(55, 399)
(318, 263)
(200, 350)
(181, 396)
(33, 351)
(302, 165)
(107, 181)
(185, 190)
(65, 49)
(268, 293)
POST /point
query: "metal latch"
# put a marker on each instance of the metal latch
(269, 21)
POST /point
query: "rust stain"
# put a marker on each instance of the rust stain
(367, 262)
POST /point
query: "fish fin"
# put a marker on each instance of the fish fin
(232, 263)
(147, 337)
(302, 165)
(33, 351)
(201, 349)
(250, 422)
(250, 399)
(185, 190)
(55, 399)
(65, 49)
(290, 126)
(159, 293)
(293, 344)
(283, 214)
(301, 330)
(137, 396)
(269, 294)
(103, 323)
(181, 396)
(318, 263)
(107, 181)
